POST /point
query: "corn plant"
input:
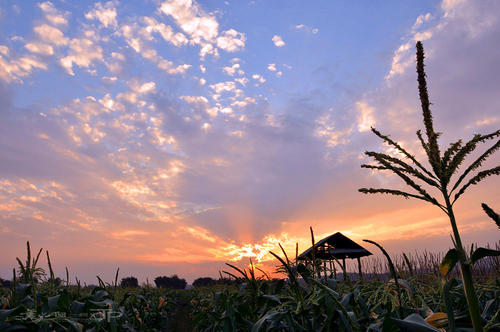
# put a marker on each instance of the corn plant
(444, 170)
(29, 272)
(491, 213)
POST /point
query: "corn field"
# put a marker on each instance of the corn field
(415, 300)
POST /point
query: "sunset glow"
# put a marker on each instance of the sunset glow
(174, 136)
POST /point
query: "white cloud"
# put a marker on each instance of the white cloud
(202, 81)
(307, 28)
(366, 118)
(422, 35)
(203, 69)
(192, 19)
(82, 52)
(243, 80)
(226, 110)
(143, 88)
(15, 69)
(208, 49)
(278, 74)
(258, 78)
(109, 79)
(195, 99)
(271, 67)
(234, 69)
(421, 19)
(106, 14)
(400, 60)
(51, 35)
(206, 126)
(138, 39)
(231, 40)
(39, 48)
(243, 103)
(278, 42)
(53, 15)
(326, 130)
(202, 28)
(166, 31)
(223, 87)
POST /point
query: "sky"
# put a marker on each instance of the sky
(173, 136)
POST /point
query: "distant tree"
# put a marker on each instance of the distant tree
(129, 282)
(6, 283)
(173, 282)
(57, 281)
(204, 282)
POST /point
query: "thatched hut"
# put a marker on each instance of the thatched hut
(336, 247)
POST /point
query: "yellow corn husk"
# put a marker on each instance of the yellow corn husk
(438, 319)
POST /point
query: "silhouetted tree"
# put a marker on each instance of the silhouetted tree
(204, 282)
(129, 282)
(6, 283)
(173, 282)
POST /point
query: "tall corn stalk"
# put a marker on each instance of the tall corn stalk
(444, 166)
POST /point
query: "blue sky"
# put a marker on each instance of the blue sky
(178, 133)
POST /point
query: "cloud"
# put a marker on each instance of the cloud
(39, 48)
(307, 28)
(195, 100)
(244, 103)
(234, 69)
(53, 15)
(202, 28)
(221, 87)
(140, 41)
(51, 35)
(278, 42)
(325, 129)
(82, 52)
(365, 116)
(166, 31)
(13, 69)
(271, 67)
(106, 14)
(243, 80)
(192, 20)
(231, 40)
(259, 78)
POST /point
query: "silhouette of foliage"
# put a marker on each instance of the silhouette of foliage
(204, 282)
(173, 282)
(129, 282)
(491, 213)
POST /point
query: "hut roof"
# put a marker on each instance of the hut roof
(336, 245)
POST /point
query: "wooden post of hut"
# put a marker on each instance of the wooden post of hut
(359, 269)
(344, 269)
(324, 269)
